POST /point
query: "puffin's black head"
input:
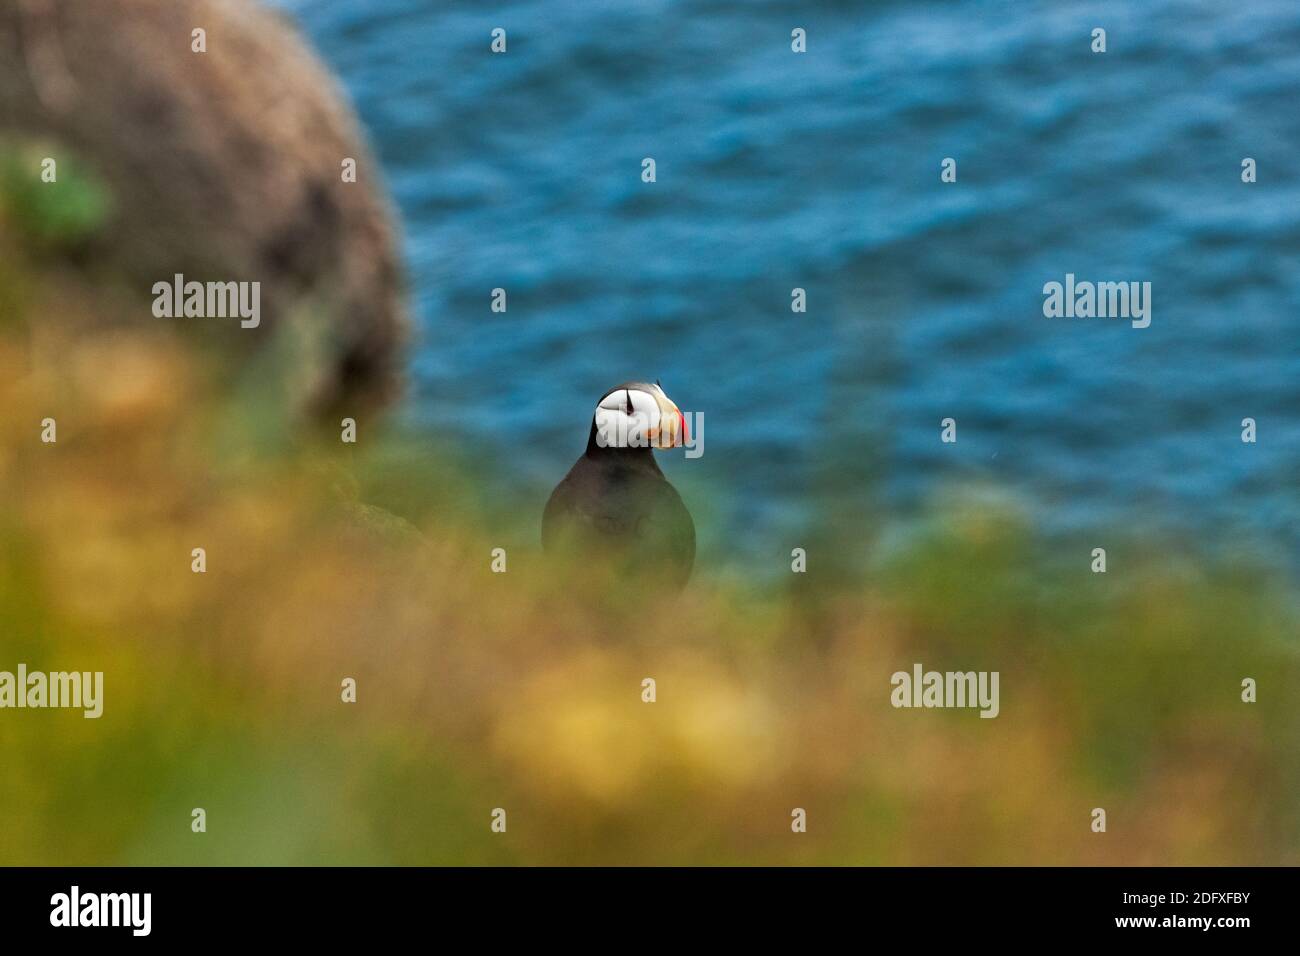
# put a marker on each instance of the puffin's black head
(637, 415)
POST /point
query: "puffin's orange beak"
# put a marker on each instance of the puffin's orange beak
(673, 432)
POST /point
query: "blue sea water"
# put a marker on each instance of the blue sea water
(822, 171)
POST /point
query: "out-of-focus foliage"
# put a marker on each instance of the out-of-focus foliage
(49, 217)
(479, 690)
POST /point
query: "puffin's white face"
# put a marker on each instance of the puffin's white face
(637, 415)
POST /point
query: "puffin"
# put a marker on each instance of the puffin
(615, 507)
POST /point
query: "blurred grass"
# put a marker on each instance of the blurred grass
(50, 218)
(478, 690)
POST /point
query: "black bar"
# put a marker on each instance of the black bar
(324, 905)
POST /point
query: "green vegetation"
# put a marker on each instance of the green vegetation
(49, 218)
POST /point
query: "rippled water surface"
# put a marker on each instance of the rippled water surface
(821, 171)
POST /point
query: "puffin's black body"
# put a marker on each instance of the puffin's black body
(616, 508)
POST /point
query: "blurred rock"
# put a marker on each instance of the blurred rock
(223, 165)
